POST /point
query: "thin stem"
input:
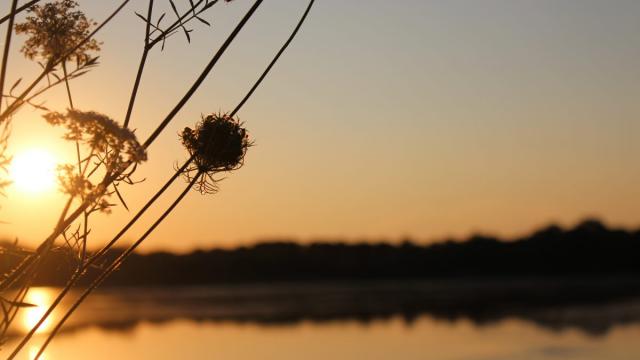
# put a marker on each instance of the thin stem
(21, 269)
(149, 44)
(7, 45)
(275, 59)
(19, 99)
(28, 269)
(86, 214)
(111, 268)
(143, 60)
(133, 220)
(171, 27)
(92, 34)
(18, 10)
(48, 86)
(100, 253)
(66, 82)
(85, 222)
(148, 27)
(51, 64)
(203, 75)
(13, 310)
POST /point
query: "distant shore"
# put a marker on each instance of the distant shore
(589, 250)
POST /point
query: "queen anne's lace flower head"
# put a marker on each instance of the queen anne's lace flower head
(112, 147)
(54, 29)
(102, 134)
(218, 143)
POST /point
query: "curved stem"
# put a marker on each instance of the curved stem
(143, 61)
(111, 268)
(171, 27)
(203, 75)
(66, 83)
(18, 10)
(21, 270)
(76, 276)
(7, 45)
(275, 59)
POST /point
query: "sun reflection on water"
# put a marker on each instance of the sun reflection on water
(41, 298)
(33, 352)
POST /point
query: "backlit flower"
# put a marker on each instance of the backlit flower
(54, 29)
(218, 143)
(116, 144)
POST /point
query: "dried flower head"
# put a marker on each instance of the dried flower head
(54, 29)
(218, 143)
(114, 144)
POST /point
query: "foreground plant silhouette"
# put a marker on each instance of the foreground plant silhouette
(108, 153)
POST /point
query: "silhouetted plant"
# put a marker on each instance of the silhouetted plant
(54, 30)
(55, 35)
(218, 143)
(59, 32)
(115, 145)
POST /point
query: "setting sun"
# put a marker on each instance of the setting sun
(33, 171)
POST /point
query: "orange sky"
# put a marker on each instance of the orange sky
(425, 119)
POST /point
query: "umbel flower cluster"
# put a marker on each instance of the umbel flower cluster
(102, 134)
(112, 147)
(218, 143)
(54, 29)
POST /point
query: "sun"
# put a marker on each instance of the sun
(33, 171)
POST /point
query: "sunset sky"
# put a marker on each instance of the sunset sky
(383, 120)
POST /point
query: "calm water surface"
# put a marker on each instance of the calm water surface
(330, 322)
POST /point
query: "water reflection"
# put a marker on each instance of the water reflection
(29, 317)
(555, 307)
(33, 352)
(391, 339)
(381, 320)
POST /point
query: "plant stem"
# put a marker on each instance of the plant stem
(66, 82)
(18, 10)
(21, 269)
(111, 268)
(100, 253)
(49, 86)
(143, 60)
(7, 45)
(171, 27)
(275, 59)
(203, 75)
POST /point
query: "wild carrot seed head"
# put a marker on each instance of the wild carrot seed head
(219, 143)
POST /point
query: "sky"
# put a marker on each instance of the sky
(383, 121)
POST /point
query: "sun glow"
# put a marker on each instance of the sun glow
(41, 298)
(33, 171)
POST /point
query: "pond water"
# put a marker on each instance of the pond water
(334, 321)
